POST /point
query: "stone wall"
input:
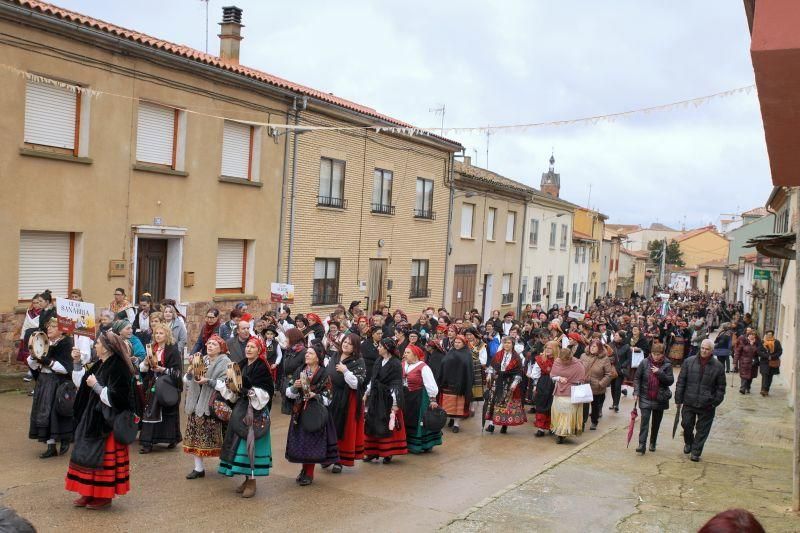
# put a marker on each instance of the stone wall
(10, 325)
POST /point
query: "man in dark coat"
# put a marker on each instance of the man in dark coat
(238, 342)
(700, 389)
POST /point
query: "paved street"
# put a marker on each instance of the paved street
(418, 493)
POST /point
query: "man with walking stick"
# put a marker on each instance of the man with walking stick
(700, 389)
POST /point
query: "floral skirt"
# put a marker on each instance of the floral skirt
(203, 436)
(566, 417)
(112, 478)
(542, 421)
(509, 413)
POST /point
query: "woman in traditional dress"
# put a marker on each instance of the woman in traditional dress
(348, 377)
(236, 457)
(160, 424)
(312, 383)
(210, 327)
(543, 387)
(384, 427)
(566, 417)
(99, 467)
(46, 424)
(503, 377)
(419, 394)
(124, 329)
(29, 325)
(204, 433)
(293, 359)
(458, 375)
(479, 359)
(333, 339)
(677, 343)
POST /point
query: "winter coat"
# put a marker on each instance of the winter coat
(598, 371)
(641, 385)
(622, 358)
(765, 356)
(701, 388)
(747, 360)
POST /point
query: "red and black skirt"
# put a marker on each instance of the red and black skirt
(351, 442)
(394, 444)
(111, 479)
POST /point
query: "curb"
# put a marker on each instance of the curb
(546, 468)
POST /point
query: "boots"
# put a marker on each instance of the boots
(51, 452)
(249, 488)
(64, 447)
(240, 488)
(652, 446)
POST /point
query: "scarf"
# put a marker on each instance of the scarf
(117, 307)
(652, 380)
(208, 330)
(769, 345)
(198, 396)
(33, 313)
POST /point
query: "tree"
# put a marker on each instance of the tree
(674, 254)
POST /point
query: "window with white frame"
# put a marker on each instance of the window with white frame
(159, 135)
(53, 115)
(240, 149)
(419, 279)
(326, 281)
(533, 238)
(382, 192)
(46, 260)
(331, 183)
(577, 254)
(231, 265)
(507, 295)
(423, 207)
(511, 226)
(467, 214)
(564, 233)
(553, 229)
(491, 216)
(537, 289)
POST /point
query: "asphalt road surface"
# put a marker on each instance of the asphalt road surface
(413, 493)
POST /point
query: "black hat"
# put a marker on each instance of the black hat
(353, 304)
(271, 328)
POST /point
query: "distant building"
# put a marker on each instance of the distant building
(636, 238)
(702, 245)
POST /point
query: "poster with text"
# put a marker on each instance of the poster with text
(75, 318)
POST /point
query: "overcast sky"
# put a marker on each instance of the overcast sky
(523, 61)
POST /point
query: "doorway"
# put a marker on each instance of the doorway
(376, 286)
(463, 289)
(151, 267)
(488, 286)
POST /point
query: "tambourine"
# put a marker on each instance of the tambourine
(197, 366)
(233, 378)
(39, 345)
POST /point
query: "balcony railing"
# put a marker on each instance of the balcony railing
(328, 201)
(559, 294)
(325, 299)
(536, 296)
(507, 298)
(425, 213)
(419, 293)
(383, 209)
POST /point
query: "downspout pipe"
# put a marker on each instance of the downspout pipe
(303, 105)
(282, 223)
(448, 246)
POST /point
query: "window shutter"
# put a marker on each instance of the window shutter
(236, 150)
(230, 263)
(44, 263)
(466, 220)
(50, 116)
(155, 134)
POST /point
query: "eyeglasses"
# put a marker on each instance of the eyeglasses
(118, 294)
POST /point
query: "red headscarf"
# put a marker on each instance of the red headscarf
(417, 351)
(262, 348)
(223, 346)
(315, 317)
(463, 339)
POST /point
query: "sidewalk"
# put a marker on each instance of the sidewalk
(604, 486)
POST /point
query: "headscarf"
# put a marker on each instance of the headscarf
(416, 350)
(576, 337)
(262, 347)
(390, 345)
(119, 325)
(223, 346)
(119, 346)
(315, 317)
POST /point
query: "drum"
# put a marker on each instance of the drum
(233, 377)
(197, 366)
(39, 345)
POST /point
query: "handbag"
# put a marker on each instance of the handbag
(434, 419)
(581, 393)
(219, 408)
(637, 356)
(774, 363)
(65, 399)
(721, 352)
(314, 416)
(126, 427)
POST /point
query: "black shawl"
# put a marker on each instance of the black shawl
(61, 352)
(369, 352)
(341, 391)
(386, 379)
(457, 372)
(256, 375)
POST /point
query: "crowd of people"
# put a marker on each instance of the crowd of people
(366, 387)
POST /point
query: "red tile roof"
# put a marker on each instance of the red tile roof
(756, 212)
(580, 235)
(695, 232)
(202, 57)
(716, 263)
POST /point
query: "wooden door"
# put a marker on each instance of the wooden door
(376, 286)
(463, 289)
(151, 268)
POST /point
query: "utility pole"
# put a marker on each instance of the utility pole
(488, 132)
(437, 111)
(206, 3)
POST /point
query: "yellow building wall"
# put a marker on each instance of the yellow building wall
(702, 248)
(715, 281)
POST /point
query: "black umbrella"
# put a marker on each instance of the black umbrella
(488, 401)
(677, 419)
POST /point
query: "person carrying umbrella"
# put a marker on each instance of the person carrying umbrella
(651, 389)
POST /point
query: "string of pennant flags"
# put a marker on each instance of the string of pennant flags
(413, 131)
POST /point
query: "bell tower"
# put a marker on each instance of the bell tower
(551, 182)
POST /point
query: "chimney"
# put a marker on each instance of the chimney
(468, 160)
(230, 34)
